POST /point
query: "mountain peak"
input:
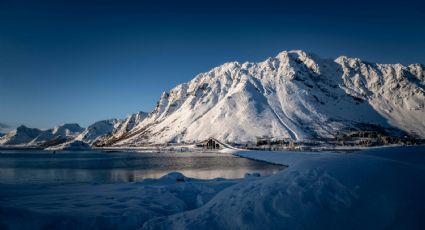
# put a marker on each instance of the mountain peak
(67, 129)
(22, 127)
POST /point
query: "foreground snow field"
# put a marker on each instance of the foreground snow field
(369, 190)
(372, 189)
(108, 206)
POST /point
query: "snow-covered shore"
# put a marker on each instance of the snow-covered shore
(371, 189)
(367, 190)
(287, 158)
(107, 206)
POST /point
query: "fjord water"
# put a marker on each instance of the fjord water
(44, 168)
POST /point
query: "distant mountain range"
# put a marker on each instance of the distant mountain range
(24, 136)
(293, 95)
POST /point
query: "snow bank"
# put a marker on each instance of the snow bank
(355, 191)
(111, 206)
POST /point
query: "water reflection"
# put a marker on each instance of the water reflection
(40, 167)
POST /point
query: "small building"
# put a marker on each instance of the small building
(210, 143)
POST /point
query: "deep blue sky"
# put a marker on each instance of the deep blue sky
(82, 61)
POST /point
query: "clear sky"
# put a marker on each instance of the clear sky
(83, 61)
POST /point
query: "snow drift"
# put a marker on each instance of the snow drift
(370, 190)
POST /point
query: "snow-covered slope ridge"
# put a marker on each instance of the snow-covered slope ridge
(293, 95)
(110, 129)
(98, 129)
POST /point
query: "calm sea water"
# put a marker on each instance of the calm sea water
(43, 167)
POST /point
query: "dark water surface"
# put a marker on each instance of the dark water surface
(43, 167)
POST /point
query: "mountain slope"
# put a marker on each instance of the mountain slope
(110, 129)
(98, 129)
(293, 95)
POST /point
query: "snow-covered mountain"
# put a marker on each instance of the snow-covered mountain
(293, 95)
(59, 134)
(35, 137)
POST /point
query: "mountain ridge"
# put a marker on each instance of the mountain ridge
(294, 95)
(303, 97)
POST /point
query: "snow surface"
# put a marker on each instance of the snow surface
(380, 188)
(114, 206)
(369, 190)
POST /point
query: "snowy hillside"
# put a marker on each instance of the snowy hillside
(293, 95)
